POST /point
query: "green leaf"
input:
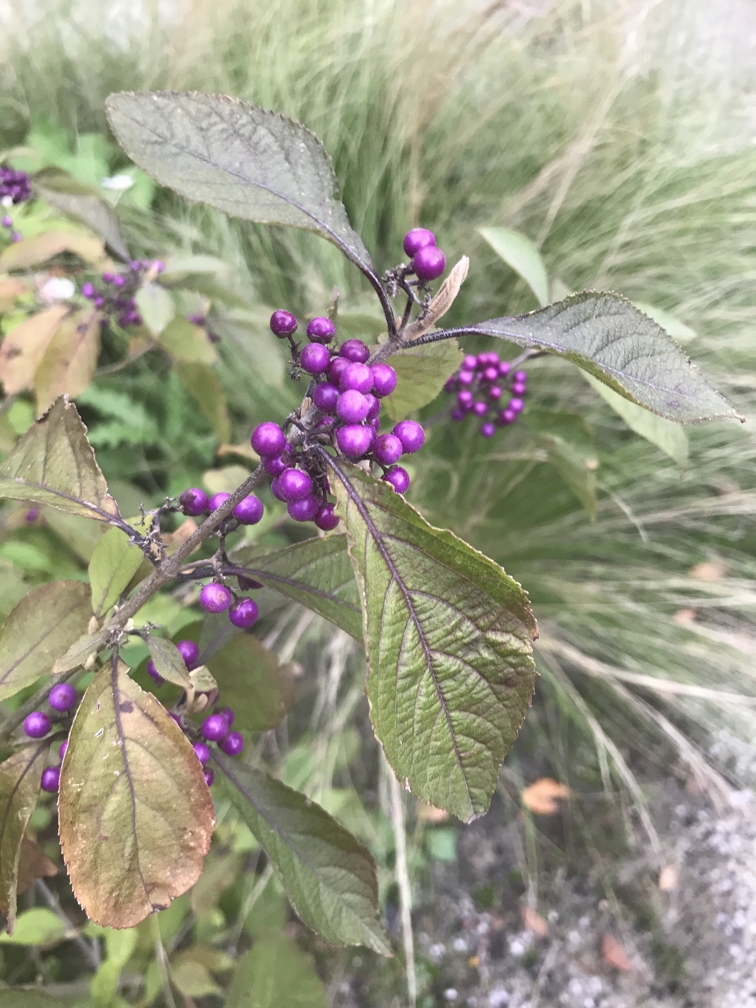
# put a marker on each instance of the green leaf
(38, 926)
(114, 563)
(135, 815)
(250, 163)
(252, 682)
(568, 441)
(317, 573)
(421, 373)
(194, 980)
(54, 464)
(520, 253)
(448, 632)
(77, 200)
(156, 306)
(168, 662)
(327, 873)
(104, 986)
(18, 997)
(40, 628)
(69, 360)
(204, 385)
(19, 789)
(80, 650)
(188, 343)
(608, 337)
(276, 973)
(665, 434)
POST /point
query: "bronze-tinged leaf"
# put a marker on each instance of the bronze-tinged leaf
(252, 682)
(29, 645)
(54, 464)
(42, 247)
(614, 955)
(24, 347)
(33, 865)
(19, 789)
(10, 289)
(135, 814)
(70, 359)
(542, 798)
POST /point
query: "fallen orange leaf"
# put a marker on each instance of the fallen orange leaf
(614, 955)
(534, 922)
(542, 797)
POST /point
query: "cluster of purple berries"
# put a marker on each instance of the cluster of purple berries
(15, 186)
(116, 296)
(428, 262)
(480, 386)
(63, 699)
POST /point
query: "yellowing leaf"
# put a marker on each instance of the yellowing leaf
(10, 289)
(24, 347)
(114, 563)
(542, 798)
(135, 815)
(69, 360)
(37, 250)
(187, 342)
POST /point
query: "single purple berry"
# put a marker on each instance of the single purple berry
(283, 323)
(249, 510)
(384, 379)
(276, 465)
(189, 651)
(480, 408)
(228, 714)
(466, 377)
(519, 388)
(507, 416)
(63, 697)
(458, 414)
(37, 724)
(119, 280)
(63, 748)
(516, 405)
(336, 369)
(194, 502)
(520, 376)
(88, 290)
(315, 358)
(153, 672)
(352, 406)
(107, 278)
(304, 509)
(465, 398)
(268, 439)
(411, 434)
(320, 330)
(202, 752)
(354, 441)
(469, 362)
(375, 423)
(398, 478)
(356, 376)
(487, 430)
(158, 265)
(495, 392)
(244, 613)
(429, 263)
(217, 499)
(209, 777)
(482, 361)
(135, 266)
(416, 239)
(294, 485)
(31, 515)
(16, 236)
(491, 373)
(374, 406)
(214, 728)
(51, 779)
(215, 598)
(7, 222)
(233, 744)
(275, 488)
(504, 368)
(387, 449)
(326, 518)
(325, 396)
(354, 350)
(98, 302)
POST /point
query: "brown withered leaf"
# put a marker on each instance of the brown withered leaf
(441, 303)
(33, 865)
(24, 347)
(533, 921)
(542, 798)
(175, 539)
(135, 814)
(614, 955)
(69, 360)
(38, 249)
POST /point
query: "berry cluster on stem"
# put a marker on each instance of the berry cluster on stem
(486, 388)
(114, 295)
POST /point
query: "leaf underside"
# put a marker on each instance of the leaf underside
(611, 339)
(448, 638)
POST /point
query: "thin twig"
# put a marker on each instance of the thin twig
(403, 883)
(92, 952)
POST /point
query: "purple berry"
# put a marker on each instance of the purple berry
(228, 714)
(336, 369)
(88, 290)
(458, 414)
(356, 376)
(416, 239)
(63, 749)
(249, 510)
(429, 263)
(217, 499)
(202, 752)
(189, 651)
(31, 515)
(495, 392)
(98, 302)
(516, 405)
(63, 697)
(315, 358)
(480, 408)
(384, 379)
(282, 323)
(411, 434)
(51, 779)
(352, 406)
(466, 377)
(398, 478)
(194, 502)
(504, 368)
(276, 465)
(470, 362)
(465, 398)
(507, 416)
(153, 672)
(37, 724)
(320, 330)
(354, 350)
(354, 441)
(304, 509)
(118, 280)
(491, 373)
(275, 488)
(107, 278)
(209, 777)
(158, 265)
(294, 485)
(326, 518)
(387, 449)
(488, 430)
(214, 728)
(215, 598)
(520, 376)
(374, 406)
(325, 396)
(7, 221)
(268, 439)
(16, 236)
(244, 613)
(233, 744)
(519, 388)
(135, 266)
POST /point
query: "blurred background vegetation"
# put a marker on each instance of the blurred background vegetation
(619, 138)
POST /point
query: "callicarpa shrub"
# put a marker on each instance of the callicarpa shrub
(447, 633)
